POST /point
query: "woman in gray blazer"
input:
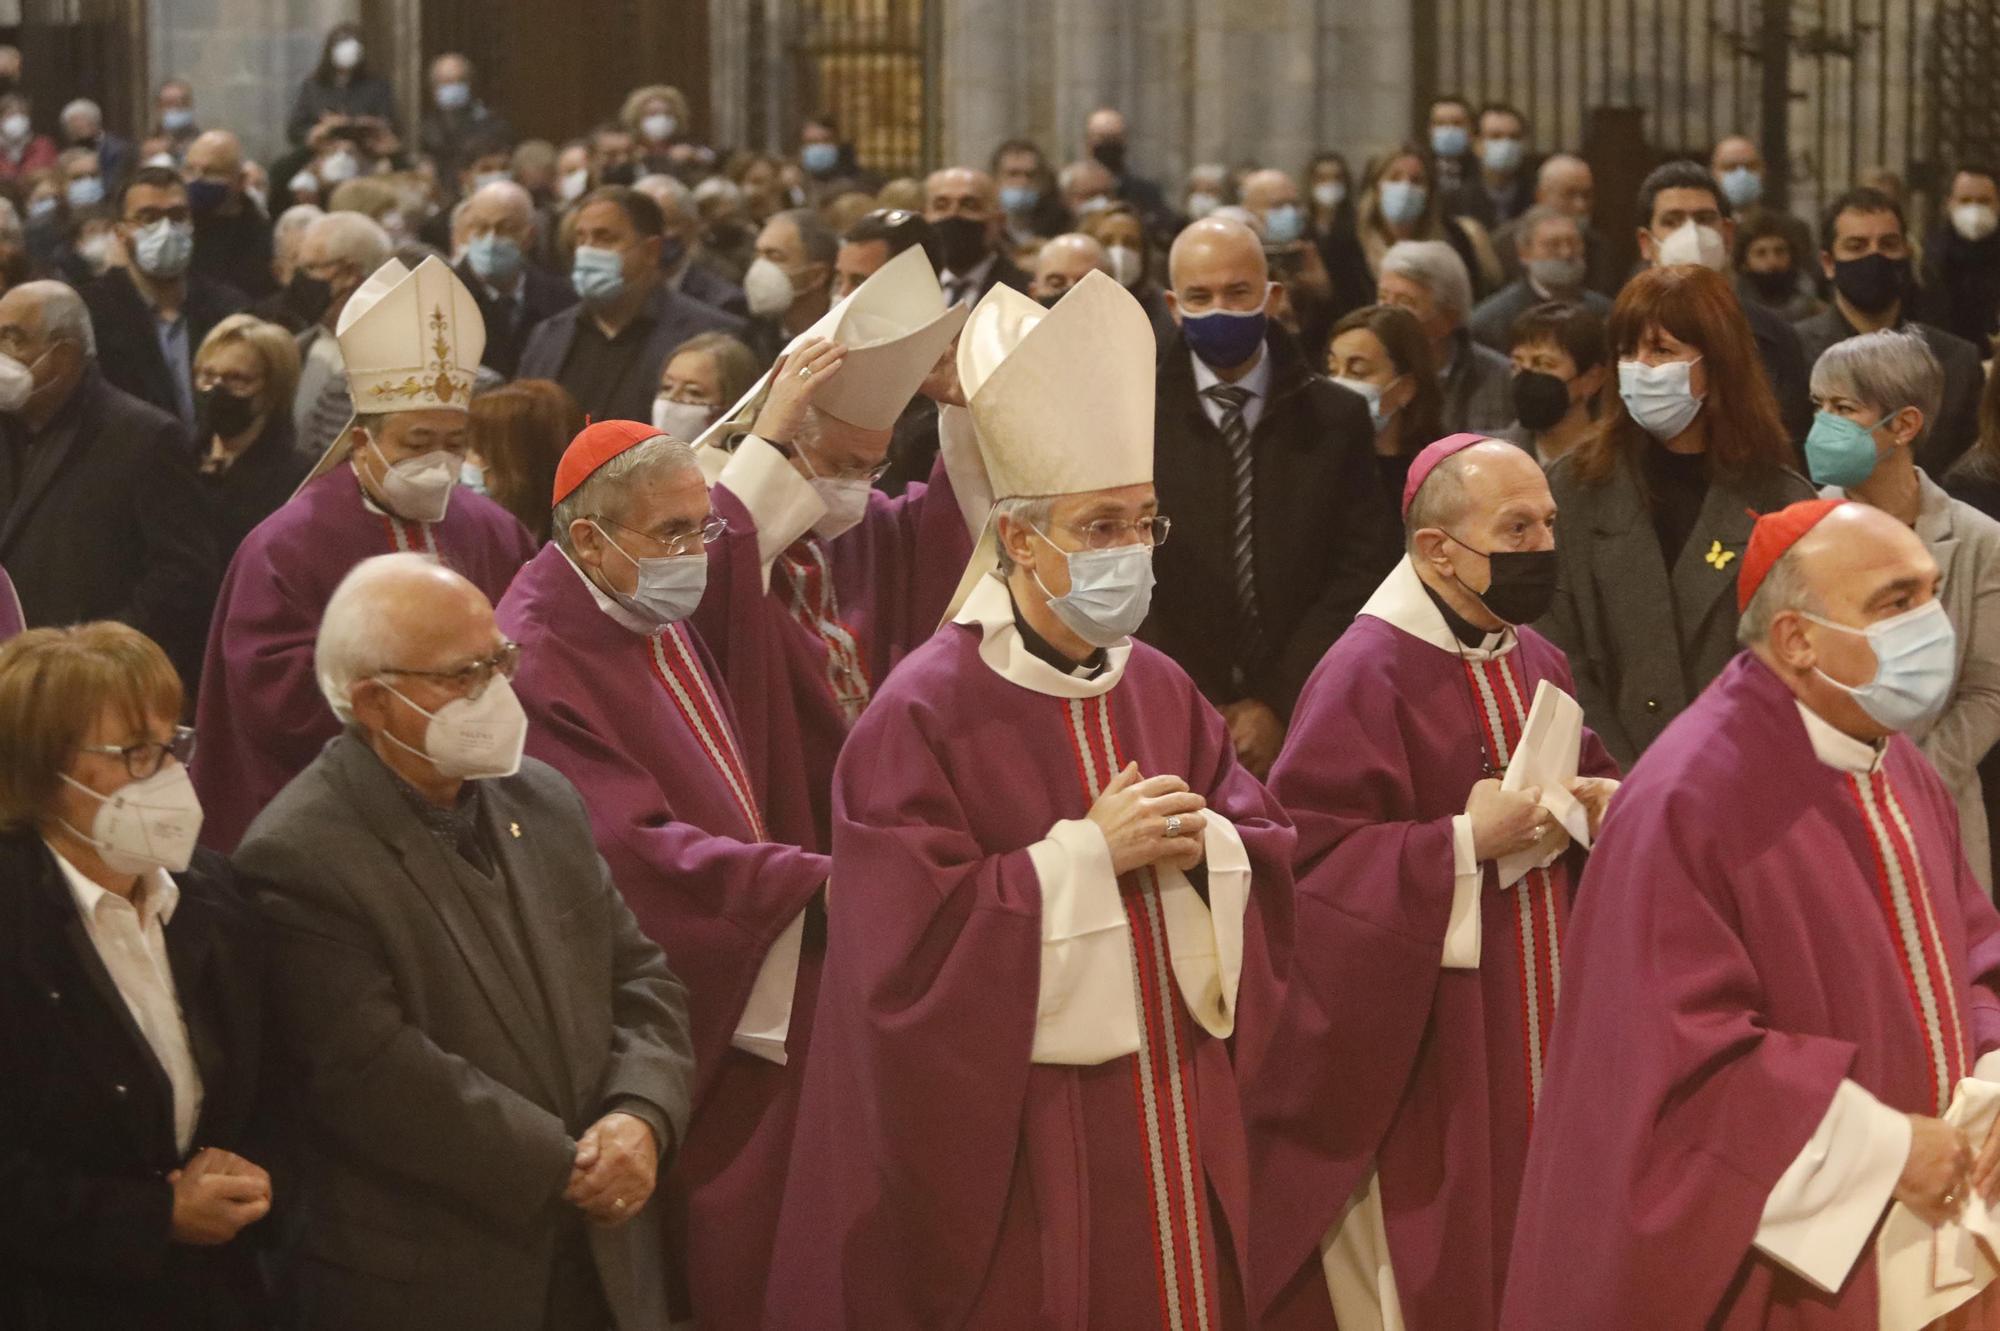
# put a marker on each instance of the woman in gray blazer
(1877, 395)
(1657, 507)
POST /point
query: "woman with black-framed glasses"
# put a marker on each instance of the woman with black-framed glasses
(130, 980)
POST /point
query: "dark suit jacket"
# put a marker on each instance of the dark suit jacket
(1957, 425)
(704, 284)
(104, 519)
(260, 480)
(1319, 529)
(440, 1101)
(1493, 320)
(86, 1119)
(1785, 366)
(542, 294)
(1644, 639)
(675, 320)
(128, 348)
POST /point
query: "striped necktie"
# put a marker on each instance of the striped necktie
(1236, 435)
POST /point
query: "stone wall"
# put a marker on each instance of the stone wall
(245, 59)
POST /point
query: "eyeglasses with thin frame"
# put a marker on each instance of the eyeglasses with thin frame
(471, 678)
(868, 474)
(711, 531)
(145, 758)
(1105, 533)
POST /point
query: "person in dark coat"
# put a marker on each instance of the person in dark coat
(134, 1169)
(496, 227)
(101, 515)
(609, 348)
(245, 376)
(341, 87)
(1256, 607)
(152, 313)
(232, 235)
(456, 117)
(1962, 259)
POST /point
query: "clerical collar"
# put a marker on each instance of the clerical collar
(1838, 749)
(1461, 628)
(1405, 601)
(989, 611)
(1043, 650)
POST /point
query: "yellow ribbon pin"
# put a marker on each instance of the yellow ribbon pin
(1719, 557)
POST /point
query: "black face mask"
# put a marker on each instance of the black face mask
(962, 241)
(622, 174)
(1111, 155)
(1774, 285)
(1540, 400)
(1871, 283)
(308, 296)
(1523, 586)
(221, 414)
(1048, 302)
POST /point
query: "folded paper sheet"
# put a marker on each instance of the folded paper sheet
(1546, 758)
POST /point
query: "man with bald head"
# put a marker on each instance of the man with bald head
(1086, 187)
(232, 236)
(456, 116)
(1105, 141)
(1267, 468)
(495, 228)
(1061, 263)
(493, 1058)
(1563, 182)
(101, 515)
(1783, 1015)
(1390, 1113)
(963, 208)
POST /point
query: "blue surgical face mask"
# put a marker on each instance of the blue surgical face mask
(820, 158)
(1501, 155)
(1658, 396)
(597, 274)
(669, 587)
(1916, 660)
(1742, 186)
(176, 119)
(1109, 593)
(1018, 199)
(1225, 339)
(1284, 224)
(1450, 140)
(1403, 201)
(1840, 451)
(454, 96)
(496, 258)
(85, 191)
(1372, 395)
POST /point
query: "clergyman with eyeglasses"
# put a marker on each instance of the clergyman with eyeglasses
(1052, 889)
(623, 699)
(492, 1061)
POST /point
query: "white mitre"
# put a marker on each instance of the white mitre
(412, 342)
(1062, 399)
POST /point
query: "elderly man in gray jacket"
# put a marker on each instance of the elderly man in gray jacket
(1427, 278)
(491, 1061)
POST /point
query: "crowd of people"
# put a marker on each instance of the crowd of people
(608, 734)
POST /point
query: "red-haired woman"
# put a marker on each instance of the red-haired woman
(1657, 506)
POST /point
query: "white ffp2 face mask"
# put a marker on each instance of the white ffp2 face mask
(1694, 243)
(419, 489)
(145, 825)
(472, 738)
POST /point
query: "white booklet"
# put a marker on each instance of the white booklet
(1546, 757)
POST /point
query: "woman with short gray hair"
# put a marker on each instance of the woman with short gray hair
(1876, 396)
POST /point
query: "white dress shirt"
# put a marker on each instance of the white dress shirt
(131, 940)
(1257, 383)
